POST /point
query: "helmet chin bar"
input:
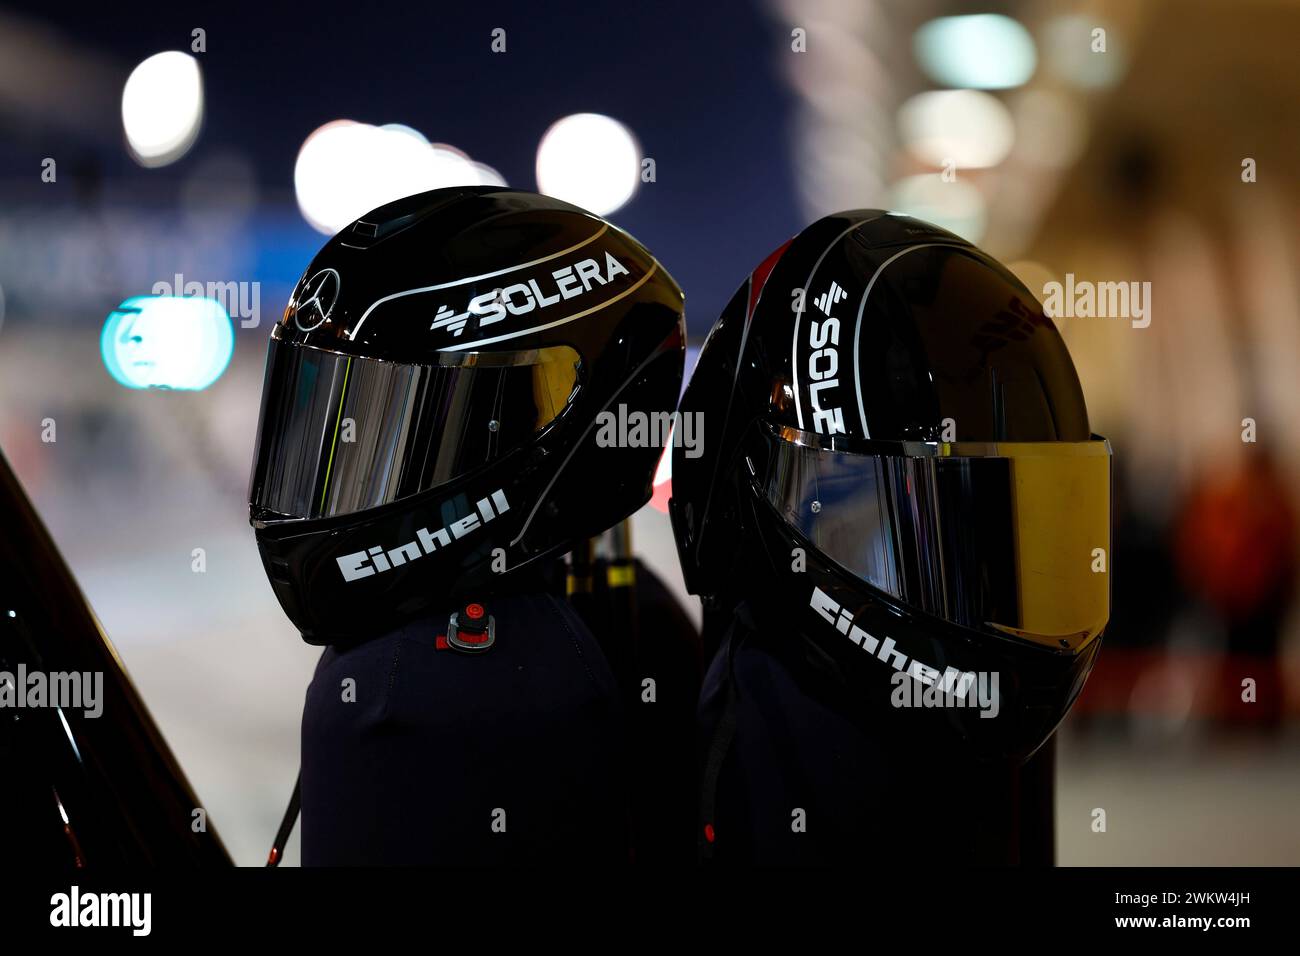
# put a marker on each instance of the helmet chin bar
(888, 657)
(376, 560)
(367, 572)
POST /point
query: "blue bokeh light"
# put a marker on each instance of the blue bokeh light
(981, 51)
(165, 341)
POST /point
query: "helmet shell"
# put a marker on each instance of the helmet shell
(457, 275)
(873, 327)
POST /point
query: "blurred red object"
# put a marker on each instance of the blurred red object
(1235, 539)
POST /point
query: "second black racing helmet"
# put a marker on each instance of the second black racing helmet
(902, 470)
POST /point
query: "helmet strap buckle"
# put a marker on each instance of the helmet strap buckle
(471, 630)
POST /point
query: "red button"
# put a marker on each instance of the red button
(474, 611)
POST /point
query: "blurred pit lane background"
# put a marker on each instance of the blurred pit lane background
(1092, 141)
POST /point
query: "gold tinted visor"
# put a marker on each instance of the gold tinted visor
(1012, 538)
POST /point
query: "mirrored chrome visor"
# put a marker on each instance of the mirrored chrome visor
(1008, 537)
(340, 433)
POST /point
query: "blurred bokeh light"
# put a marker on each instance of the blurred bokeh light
(165, 341)
(1073, 50)
(346, 168)
(968, 128)
(590, 160)
(981, 51)
(162, 107)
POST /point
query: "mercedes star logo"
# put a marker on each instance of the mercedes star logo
(316, 300)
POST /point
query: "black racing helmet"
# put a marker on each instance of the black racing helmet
(432, 393)
(903, 472)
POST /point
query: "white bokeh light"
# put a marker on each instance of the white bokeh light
(590, 160)
(345, 169)
(966, 127)
(487, 176)
(162, 107)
